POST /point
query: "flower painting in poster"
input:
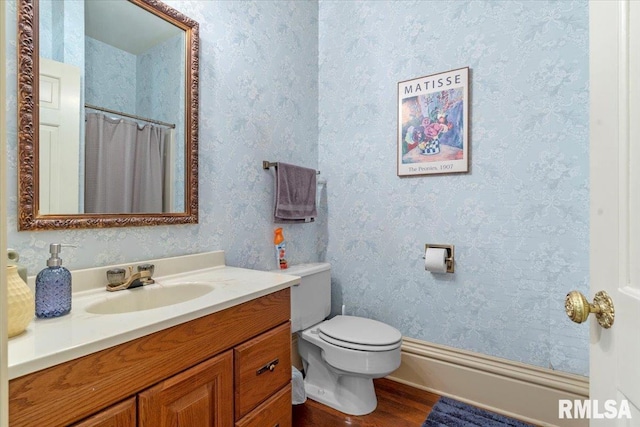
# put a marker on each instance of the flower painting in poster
(433, 119)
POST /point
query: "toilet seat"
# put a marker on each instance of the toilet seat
(359, 333)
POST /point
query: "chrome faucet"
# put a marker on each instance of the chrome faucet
(118, 281)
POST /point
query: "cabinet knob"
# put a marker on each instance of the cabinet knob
(271, 366)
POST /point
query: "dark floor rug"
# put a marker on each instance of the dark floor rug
(451, 413)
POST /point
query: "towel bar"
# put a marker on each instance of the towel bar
(267, 164)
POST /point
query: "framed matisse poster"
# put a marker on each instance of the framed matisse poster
(433, 121)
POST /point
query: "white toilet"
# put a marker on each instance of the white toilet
(341, 356)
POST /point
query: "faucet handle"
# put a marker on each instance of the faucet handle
(146, 267)
(116, 276)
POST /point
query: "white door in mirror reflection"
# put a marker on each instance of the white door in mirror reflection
(59, 147)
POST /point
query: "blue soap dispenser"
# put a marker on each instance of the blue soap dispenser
(53, 287)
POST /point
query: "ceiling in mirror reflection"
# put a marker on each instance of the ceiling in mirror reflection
(118, 24)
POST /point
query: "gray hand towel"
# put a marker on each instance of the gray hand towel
(295, 194)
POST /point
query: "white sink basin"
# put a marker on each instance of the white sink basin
(149, 297)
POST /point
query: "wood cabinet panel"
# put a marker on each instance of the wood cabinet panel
(122, 414)
(82, 387)
(197, 397)
(275, 412)
(262, 366)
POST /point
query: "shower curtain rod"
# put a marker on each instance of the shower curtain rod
(133, 116)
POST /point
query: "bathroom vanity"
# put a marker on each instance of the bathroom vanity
(221, 359)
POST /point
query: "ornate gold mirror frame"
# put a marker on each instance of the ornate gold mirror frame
(28, 124)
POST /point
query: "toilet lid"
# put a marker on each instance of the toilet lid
(345, 330)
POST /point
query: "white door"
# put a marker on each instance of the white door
(59, 143)
(615, 206)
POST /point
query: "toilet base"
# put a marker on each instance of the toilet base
(348, 393)
(361, 399)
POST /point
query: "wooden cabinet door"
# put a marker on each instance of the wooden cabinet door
(121, 414)
(201, 396)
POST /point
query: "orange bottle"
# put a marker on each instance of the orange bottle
(278, 240)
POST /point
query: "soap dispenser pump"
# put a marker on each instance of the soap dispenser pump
(53, 286)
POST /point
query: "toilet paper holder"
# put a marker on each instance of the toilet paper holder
(449, 259)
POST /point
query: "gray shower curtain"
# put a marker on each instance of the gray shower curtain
(124, 166)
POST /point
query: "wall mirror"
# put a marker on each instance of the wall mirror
(107, 114)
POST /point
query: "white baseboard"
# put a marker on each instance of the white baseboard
(517, 390)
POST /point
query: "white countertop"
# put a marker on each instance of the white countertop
(48, 342)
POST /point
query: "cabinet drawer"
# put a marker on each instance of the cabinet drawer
(262, 366)
(275, 412)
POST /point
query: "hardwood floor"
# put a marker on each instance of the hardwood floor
(398, 406)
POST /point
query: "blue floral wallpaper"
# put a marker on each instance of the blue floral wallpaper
(108, 73)
(314, 83)
(65, 19)
(518, 219)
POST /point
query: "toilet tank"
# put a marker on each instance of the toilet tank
(311, 299)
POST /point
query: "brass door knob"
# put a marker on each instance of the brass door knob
(578, 308)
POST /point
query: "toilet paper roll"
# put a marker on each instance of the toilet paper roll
(435, 260)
